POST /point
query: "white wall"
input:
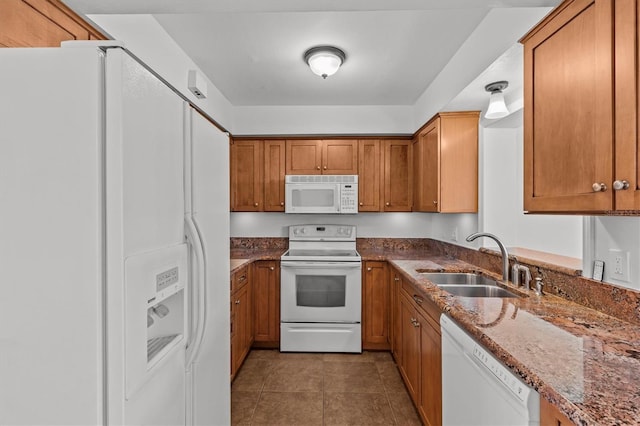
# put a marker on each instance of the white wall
(372, 225)
(501, 195)
(622, 235)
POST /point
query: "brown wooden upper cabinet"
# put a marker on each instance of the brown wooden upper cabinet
(369, 175)
(41, 23)
(581, 109)
(445, 156)
(322, 156)
(257, 175)
(397, 188)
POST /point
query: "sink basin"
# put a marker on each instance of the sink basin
(457, 278)
(467, 284)
(476, 290)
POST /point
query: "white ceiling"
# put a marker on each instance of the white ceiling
(252, 49)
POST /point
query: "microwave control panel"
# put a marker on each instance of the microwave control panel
(349, 198)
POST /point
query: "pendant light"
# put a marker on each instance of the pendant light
(324, 60)
(497, 107)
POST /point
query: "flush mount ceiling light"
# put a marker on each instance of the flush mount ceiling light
(324, 60)
(497, 107)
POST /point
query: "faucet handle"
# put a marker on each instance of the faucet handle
(515, 274)
(538, 287)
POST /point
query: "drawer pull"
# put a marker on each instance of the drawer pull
(418, 299)
(415, 322)
(237, 302)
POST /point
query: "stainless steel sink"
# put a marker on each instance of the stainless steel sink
(467, 284)
(476, 290)
(458, 278)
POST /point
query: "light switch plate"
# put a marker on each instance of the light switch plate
(598, 270)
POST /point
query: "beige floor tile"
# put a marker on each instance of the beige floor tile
(306, 356)
(243, 404)
(252, 374)
(390, 376)
(289, 408)
(295, 375)
(403, 409)
(334, 357)
(264, 354)
(357, 409)
(352, 377)
(382, 356)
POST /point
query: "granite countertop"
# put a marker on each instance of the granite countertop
(584, 362)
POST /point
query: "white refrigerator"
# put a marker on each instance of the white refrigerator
(114, 244)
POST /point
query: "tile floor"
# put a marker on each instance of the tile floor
(274, 388)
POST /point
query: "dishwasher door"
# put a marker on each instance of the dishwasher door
(479, 390)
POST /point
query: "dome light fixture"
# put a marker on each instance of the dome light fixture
(497, 107)
(324, 60)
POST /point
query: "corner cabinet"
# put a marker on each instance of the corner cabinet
(42, 23)
(581, 109)
(375, 306)
(257, 170)
(445, 156)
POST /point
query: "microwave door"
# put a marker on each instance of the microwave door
(312, 198)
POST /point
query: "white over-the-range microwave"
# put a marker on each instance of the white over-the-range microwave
(321, 194)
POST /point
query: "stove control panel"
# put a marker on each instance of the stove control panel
(322, 232)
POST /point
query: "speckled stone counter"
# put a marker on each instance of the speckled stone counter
(584, 362)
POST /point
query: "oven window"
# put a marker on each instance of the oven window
(320, 291)
(309, 197)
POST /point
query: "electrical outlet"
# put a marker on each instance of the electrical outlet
(620, 261)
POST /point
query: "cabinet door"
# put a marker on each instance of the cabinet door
(303, 157)
(266, 297)
(430, 406)
(375, 306)
(396, 320)
(627, 113)
(550, 415)
(339, 157)
(428, 158)
(398, 176)
(246, 175)
(568, 110)
(410, 366)
(274, 170)
(241, 336)
(369, 155)
(41, 23)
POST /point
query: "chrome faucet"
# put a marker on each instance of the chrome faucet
(503, 250)
(515, 276)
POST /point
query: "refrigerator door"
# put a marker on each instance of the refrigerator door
(51, 246)
(144, 215)
(208, 376)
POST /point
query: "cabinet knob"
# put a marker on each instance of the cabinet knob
(435, 202)
(361, 204)
(369, 269)
(255, 204)
(599, 187)
(325, 167)
(318, 167)
(237, 302)
(282, 203)
(387, 204)
(620, 184)
(272, 268)
(415, 322)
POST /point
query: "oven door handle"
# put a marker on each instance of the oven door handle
(309, 265)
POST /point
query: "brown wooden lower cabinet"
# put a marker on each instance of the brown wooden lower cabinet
(241, 318)
(420, 360)
(266, 304)
(395, 332)
(550, 415)
(375, 306)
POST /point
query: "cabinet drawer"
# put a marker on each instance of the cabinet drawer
(430, 309)
(240, 278)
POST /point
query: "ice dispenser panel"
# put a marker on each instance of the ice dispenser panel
(155, 314)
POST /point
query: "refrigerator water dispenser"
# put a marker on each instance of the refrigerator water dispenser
(155, 313)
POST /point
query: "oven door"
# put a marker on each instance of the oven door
(320, 291)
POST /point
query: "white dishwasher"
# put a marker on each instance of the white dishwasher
(477, 389)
